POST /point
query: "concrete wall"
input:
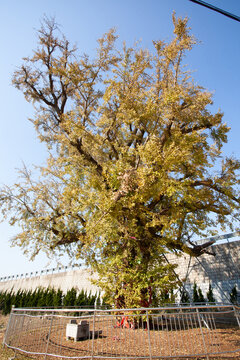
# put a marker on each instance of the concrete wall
(221, 270)
(65, 280)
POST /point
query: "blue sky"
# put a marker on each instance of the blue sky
(215, 62)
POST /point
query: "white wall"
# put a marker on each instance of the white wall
(221, 270)
(66, 280)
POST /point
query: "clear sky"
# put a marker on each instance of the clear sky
(215, 62)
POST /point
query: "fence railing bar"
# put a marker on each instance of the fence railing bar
(6, 333)
(149, 338)
(93, 333)
(210, 327)
(53, 355)
(203, 339)
(48, 338)
(121, 357)
(188, 319)
(139, 310)
(181, 323)
(237, 315)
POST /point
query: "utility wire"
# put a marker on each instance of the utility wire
(212, 7)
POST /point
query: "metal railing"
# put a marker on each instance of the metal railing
(146, 333)
(32, 274)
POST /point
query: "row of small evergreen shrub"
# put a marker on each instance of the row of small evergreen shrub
(198, 297)
(49, 297)
(46, 297)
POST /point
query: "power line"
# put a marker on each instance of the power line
(212, 7)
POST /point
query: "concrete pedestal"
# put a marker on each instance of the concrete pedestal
(77, 331)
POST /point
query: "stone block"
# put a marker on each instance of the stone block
(77, 331)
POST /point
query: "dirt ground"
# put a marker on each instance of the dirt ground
(123, 342)
(5, 354)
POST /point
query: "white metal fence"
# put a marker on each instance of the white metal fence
(147, 333)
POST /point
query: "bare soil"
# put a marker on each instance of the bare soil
(124, 342)
(5, 353)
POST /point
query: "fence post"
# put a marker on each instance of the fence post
(236, 313)
(93, 332)
(204, 344)
(149, 339)
(8, 325)
(48, 337)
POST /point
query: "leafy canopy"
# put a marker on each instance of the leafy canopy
(134, 161)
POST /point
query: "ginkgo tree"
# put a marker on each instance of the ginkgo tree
(135, 162)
